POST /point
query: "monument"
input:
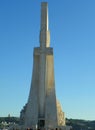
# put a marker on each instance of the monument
(43, 110)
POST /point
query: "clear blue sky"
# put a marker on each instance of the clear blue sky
(72, 26)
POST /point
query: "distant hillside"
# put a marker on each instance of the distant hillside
(81, 124)
(75, 123)
(9, 119)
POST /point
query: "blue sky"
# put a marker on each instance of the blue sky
(72, 27)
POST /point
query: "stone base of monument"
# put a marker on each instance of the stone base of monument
(18, 127)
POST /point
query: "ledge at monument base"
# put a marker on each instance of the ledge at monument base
(18, 127)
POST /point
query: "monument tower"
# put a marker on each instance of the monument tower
(43, 109)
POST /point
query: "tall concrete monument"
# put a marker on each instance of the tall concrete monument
(43, 110)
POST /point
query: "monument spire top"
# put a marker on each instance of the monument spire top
(44, 15)
(44, 31)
